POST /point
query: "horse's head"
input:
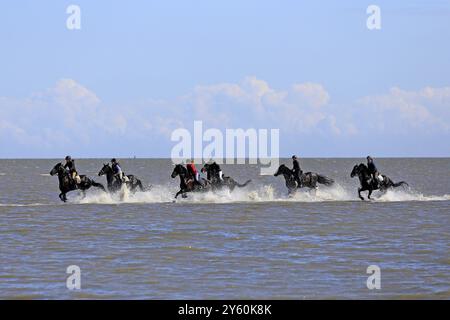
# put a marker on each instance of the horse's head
(281, 170)
(355, 171)
(106, 168)
(56, 169)
(178, 170)
(358, 169)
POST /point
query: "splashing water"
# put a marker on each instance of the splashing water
(265, 193)
(409, 195)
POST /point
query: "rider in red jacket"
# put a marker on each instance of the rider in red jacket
(194, 172)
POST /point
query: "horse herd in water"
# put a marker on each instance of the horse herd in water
(215, 180)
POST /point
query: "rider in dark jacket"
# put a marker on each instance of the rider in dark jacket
(117, 170)
(216, 171)
(373, 171)
(70, 166)
(296, 170)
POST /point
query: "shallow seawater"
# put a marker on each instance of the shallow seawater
(253, 243)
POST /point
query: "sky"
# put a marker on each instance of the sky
(138, 70)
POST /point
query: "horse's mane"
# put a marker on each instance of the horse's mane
(363, 165)
(285, 168)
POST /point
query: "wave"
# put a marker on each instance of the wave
(25, 204)
(410, 195)
(265, 193)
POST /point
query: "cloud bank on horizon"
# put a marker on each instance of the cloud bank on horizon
(68, 118)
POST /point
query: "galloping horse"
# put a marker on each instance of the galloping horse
(187, 183)
(227, 182)
(115, 184)
(370, 184)
(66, 184)
(309, 179)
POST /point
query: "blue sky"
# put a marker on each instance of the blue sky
(139, 69)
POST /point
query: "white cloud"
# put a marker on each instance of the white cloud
(312, 94)
(69, 114)
(404, 111)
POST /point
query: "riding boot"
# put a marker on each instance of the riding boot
(299, 182)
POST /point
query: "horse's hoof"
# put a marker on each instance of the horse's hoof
(361, 198)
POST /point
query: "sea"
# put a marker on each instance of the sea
(253, 243)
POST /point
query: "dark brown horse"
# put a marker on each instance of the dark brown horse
(308, 179)
(66, 184)
(368, 183)
(212, 175)
(187, 183)
(115, 184)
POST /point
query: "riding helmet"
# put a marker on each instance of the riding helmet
(68, 158)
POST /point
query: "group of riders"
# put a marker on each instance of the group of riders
(213, 171)
(191, 180)
(373, 172)
(69, 165)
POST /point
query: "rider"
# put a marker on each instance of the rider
(216, 171)
(194, 172)
(69, 164)
(117, 170)
(296, 170)
(373, 171)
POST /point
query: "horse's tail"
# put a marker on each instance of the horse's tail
(324, 180)
(244, 184)
(399, 184)
(98, 185)
(141, 187)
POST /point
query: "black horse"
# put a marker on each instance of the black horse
(187, 183)
(309, 179)
(115, 184)
(369, 183)
(67, 184)
(213, 176)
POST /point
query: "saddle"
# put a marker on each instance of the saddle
(377, 181)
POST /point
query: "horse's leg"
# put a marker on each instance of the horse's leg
(314, 183)
(141, 187)
(61, 197)
(370, 192)
(359, 193)
(178, 193)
